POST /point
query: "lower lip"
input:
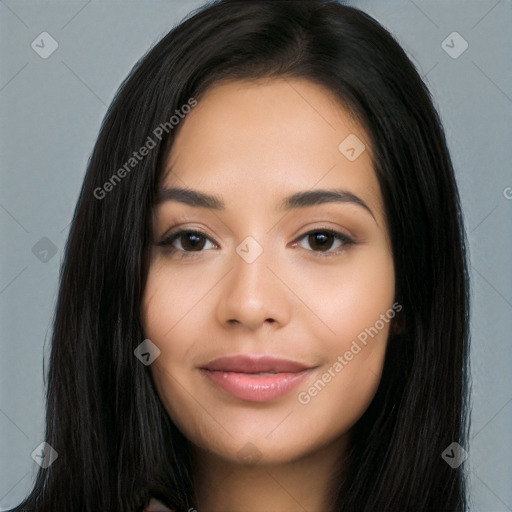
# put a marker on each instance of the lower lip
(254, 387)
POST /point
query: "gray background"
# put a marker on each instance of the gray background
(51, 111)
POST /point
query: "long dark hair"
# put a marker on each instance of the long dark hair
(116, 443)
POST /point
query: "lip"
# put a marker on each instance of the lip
(240, 376)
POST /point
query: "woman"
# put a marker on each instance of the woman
(312, 354)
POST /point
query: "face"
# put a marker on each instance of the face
(271, 313)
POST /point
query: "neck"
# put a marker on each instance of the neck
(302, 484)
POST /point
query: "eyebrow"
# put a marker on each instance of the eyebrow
(304, 199)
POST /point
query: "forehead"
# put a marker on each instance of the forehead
(268, 138)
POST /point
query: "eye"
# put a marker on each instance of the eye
(190, 241)
(321, 240)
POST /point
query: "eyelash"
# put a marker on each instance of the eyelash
(169, 240)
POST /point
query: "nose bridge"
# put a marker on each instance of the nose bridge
(252, 294)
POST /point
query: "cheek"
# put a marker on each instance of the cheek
(356, 310)
(171, 307)
(348, 298)
(172, 316)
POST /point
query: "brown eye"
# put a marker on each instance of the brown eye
(322, 240)
(190, 241)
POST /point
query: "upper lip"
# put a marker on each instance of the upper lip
(254, 364)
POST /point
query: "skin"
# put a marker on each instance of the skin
(253, 143)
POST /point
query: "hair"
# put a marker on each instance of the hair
(117, 445)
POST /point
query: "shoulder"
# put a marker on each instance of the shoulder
(156, 506)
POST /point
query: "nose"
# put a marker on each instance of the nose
(254, 294)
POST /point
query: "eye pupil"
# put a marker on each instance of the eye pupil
(196, 243)
(321, 239)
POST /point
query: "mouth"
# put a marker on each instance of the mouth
(255, 379)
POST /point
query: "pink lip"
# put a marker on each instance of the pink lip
(239, 376)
